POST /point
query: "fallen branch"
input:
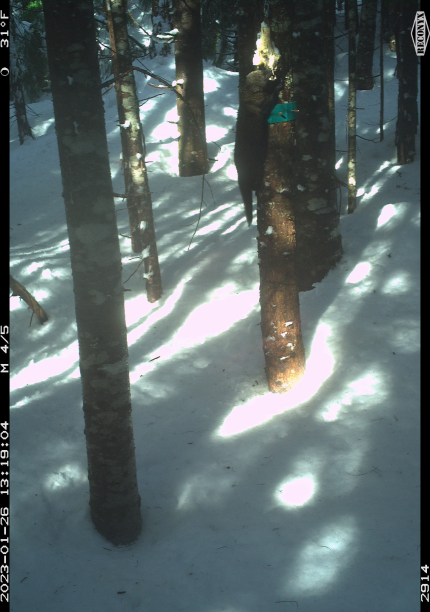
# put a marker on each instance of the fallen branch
(33, 304)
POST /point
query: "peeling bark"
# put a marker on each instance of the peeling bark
(139, 201)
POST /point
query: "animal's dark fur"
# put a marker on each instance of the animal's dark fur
(259, 96)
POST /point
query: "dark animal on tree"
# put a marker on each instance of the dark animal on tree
(259, 96)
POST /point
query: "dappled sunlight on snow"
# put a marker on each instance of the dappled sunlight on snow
(66, 476)
(231, 172)
(369, 194)
(215, 132)
(391, 212)
(168, 128)
(46, 368)
(209, 84)
(42, 128)
(139, 307)
(322, 560)
(357, 395)
(222, 158)
(360, 272)
(206, 321)
(296, 492)
(205, 488)
(261, 409)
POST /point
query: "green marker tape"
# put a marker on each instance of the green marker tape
(283, 112)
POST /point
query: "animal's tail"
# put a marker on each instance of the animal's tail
(246, 192)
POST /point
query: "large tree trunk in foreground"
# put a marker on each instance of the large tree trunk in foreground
(96, 267)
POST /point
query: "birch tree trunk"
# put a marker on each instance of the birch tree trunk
(96, 267)
(352, 104)
(133, 152)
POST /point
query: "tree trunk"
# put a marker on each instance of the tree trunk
(329, 17)
(407, 73)
(133, 151)
(279, 289)
(319, 245)
(393, 17)
(352, 96)
(347, 15)
(249, 17)
(193, 158)
(366, 45)
(17, 90)
(381, 71)
(96, 267)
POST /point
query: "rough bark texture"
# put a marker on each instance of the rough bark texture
(313, 188)
(133, 143)
(407, 73)
(366, 45)
(352, 97)
(193, 159)
(96, 267)
(279, 291)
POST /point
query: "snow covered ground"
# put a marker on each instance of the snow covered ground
(251, 502)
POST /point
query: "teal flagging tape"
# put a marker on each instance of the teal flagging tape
(283, 112)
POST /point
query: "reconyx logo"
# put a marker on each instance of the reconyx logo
(420, 33)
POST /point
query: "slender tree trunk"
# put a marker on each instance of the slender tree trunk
(407, 73)
(381, 71)
(329, 16)
(96, 267)
(17, 90)
(133, 143)
(393, 17)
(249, 17)
(193, 159)
(366, 45)
(384, 21)
(347, 2)
(222, 50)
(132, 205)
(352, 96)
